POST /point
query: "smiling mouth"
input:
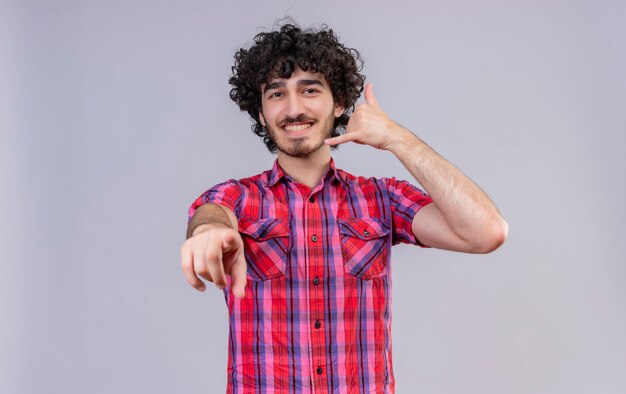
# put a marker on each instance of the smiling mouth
(297, 127)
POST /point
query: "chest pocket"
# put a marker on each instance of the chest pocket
(365, 245)
(266, 246)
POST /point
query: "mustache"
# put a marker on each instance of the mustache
(302, 118)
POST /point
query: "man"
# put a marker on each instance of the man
(302, 250)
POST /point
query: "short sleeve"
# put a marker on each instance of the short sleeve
(227, 194)
(406, 201)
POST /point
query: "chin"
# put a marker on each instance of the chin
(299, 149)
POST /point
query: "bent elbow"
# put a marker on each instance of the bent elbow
(494, 237)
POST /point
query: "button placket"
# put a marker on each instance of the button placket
(314, 232)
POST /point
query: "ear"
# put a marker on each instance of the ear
(262, 119)
(338, 110)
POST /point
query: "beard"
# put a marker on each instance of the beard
(301, 147)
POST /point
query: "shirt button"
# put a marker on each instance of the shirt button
(320, 370)
(311, 199)
(316, 281)
(318, 324)
(366, 233)
(314, 238)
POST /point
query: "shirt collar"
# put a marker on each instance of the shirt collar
(277, 173)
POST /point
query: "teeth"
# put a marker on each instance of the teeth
(297, 127)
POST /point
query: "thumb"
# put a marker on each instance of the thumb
(369, 95)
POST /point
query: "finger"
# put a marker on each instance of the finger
(369, 95)
(238, 276)
(200, 266)
(186, 262)
(342, 139)
(215, 264)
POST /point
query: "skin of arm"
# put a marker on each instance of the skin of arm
(462, 217)
(214, 249)
(210, 214)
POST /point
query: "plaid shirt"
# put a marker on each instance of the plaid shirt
(316, 317)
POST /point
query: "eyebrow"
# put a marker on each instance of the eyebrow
(274, 85)
(301, 82)
(307, 82)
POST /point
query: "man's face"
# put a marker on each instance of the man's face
(298, 112)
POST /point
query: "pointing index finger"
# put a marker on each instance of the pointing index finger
(238, 276)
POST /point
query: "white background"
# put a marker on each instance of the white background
(114, 116)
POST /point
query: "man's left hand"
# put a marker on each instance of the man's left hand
(370, 125)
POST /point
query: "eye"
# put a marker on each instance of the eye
(274, 95)
(310, 91)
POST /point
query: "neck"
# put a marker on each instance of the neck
(307, 170)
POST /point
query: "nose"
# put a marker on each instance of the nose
(295, 106)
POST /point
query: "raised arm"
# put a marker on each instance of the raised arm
(461, 217)
(214, 249)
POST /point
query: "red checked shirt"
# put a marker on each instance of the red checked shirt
(316, 317)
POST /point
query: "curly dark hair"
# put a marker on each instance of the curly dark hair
(279, 53)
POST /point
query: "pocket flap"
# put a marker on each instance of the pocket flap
(263, 229)
(364, 229)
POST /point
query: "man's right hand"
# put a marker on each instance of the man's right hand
(213, 252)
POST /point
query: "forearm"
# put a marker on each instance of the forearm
(467, 210)
(208, 216)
